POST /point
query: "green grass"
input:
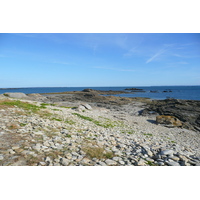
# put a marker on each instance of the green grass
(148, 134)
(47, 104)
(107, 124)
(59, 120)
(70, 122)
(69, 107)
(149, 163)
(24, 105)
(22, 124)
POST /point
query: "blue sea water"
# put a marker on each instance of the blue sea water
(177, 92)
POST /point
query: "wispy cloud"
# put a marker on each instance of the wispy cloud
(131, 52)
(160, 52)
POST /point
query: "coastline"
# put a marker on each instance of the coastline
(86, 128)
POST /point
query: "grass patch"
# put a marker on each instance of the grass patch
(59, 120)
(22, 124)
(24, 105)
(56, 109)
(13, 126)
(47, 104)
(74, 107)
(97, 152)
(68, 136)
(70, 122)
(148, 134)
(107, 124)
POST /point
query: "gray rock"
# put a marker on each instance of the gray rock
(172, 163)
(1, 157)
(167, 152)
(17, 95)
(87, 106)
(11, 151)
(121, 162)
(81, 108)
(65, 161)
(110, 162)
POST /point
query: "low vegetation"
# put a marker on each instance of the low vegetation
(106, 124)
(97, 152)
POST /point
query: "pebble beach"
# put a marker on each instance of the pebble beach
(80, 133)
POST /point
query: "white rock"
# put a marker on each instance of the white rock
(110, 162)
(172, 163)
(87, 106)
(167, 152)
(1, 157)
(65, 161)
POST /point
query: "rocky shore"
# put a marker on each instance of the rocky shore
(88, 129)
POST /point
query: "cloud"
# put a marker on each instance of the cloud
(156, 55)
(131, 52)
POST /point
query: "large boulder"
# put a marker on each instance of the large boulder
(17, 95)
(169, 121)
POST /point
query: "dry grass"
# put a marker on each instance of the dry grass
(97, 152)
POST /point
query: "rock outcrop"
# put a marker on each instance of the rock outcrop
(169, 121)
(187, 111)
(18, 95)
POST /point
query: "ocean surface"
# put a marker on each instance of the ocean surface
(153, 92)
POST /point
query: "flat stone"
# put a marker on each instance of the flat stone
(1, 157)
(121, 162)
(172, 163)
(11, 151)
(17, 95)
(167, 152)
(15, 147)
(110, 162)
(65, 161)
(87, 106)
(85, 161)
(42, 163)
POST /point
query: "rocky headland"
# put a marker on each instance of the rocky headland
(88, 129)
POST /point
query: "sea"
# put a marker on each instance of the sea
(153, 92)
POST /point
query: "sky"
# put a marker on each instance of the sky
(99, 59)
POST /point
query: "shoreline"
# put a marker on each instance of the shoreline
(90, 131)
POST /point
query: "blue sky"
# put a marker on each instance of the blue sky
(72, 60)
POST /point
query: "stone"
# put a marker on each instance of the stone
(1, 157)
(169, 121)
(64, 161)
(17, 95)
(81, 108)
(167, 152)
(85, 161)
(172, 163)
(87, 106)
(11, 151)
(110, 162)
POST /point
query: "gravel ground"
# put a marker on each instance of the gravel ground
(92, 135)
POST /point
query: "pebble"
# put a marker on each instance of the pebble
(65, 161)
(167, 152)
(172, 163)
(110, 162)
